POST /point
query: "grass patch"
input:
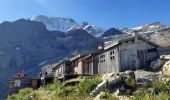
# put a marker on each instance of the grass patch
(87, 85)
(131, 83)
(22, 95)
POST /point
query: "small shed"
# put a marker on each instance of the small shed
(36, 83)
(18, 82)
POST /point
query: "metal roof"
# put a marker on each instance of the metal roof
(119, 41)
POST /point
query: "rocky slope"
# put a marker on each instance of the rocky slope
(29, 45)
(156, 32)
(112, 32)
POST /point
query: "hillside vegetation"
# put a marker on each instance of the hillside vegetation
(83, 86)
(59, 91)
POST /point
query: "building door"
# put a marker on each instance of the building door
(141, 58)
(127, 59)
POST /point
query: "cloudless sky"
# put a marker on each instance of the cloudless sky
(104, 13)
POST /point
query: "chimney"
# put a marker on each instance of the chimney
(135, 34)
(101, 46)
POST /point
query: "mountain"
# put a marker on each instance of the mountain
(28, 45)
(56, 23)
(112, 32)
(91, 29)
(156, 32)
(150, 27)
(67, 24)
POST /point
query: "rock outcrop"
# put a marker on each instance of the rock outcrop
(157, 64)
(111, 80)
(164, 63)
(166, 68)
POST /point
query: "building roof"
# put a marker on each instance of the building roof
(117, 42)
(87, 54)
(52, 66)
(92, 53)
(77, 57)
(59, 63)
(49, 68)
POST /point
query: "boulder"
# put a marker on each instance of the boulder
(145, 74)
(157, 64)
(167, 57)
(166, 68)
(108, 81)
(128, 91)
(143, 81)
(99, 87)
(122, 89)
(114, 80)
(117, 92)
(145, 77)
(167, 80)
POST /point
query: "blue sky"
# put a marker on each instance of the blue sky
(104, 13)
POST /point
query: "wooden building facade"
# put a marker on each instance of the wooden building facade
(63, 67)
(77, 63)
(127, 54)
(90, 63)
(86, 64)
(130, 53)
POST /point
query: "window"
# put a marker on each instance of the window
(17, 83)
(152, 50)
(112, 55)
(102, 58)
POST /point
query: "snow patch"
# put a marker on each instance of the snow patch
(42, 63)
(18, 48)
(153, 26)
(138, 28)
(108, 42)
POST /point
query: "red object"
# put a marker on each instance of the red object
(21, 72)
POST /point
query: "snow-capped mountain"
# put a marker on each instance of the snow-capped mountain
(150, 27)
(92, 29)
(56, 23)
(67, 24)
(156, 32)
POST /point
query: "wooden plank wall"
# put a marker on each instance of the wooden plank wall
(128, 55)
